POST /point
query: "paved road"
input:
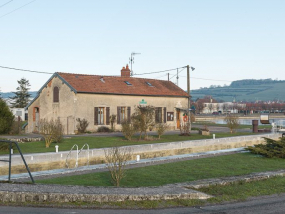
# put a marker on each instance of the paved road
(260, 205)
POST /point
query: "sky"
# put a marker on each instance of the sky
(224, 40)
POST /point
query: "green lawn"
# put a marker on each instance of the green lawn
(102, 142)
(242, 190)
(228, 165)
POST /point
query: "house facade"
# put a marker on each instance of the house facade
(95, 98)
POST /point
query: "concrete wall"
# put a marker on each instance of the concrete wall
(48, 161)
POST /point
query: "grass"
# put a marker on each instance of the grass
(228, 165)
(103, 142)
(241, 191)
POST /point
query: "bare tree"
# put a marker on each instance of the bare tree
(116, 159)
(128, 129)
(161, 128)
(82, 125)
(51, 130)
(210, 107)
(232, 122)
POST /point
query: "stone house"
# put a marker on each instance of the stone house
(67, 96)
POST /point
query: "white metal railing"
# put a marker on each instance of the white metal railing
(69, 154)
(77, 155)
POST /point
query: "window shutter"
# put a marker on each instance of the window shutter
(118, 115)
(96, 116)
(107, 115)
(156, 115)
(55, 94)
(160, 114)
(164, 114)
(129, 114)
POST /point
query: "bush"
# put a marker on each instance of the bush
(82, 125)
(6, 118)
(128, 129)
(161, 128)
(103, 129)
(52, 131)
(272, 148)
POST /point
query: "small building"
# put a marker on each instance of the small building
(67, 96)
(20, 112)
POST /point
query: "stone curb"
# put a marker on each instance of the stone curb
(233, 179)
(20, 193)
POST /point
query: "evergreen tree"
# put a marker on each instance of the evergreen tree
(6, 118)
(21, 98)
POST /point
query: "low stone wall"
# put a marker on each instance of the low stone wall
(52, 160)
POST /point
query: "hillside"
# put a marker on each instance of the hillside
(245, 90)
(7, 95)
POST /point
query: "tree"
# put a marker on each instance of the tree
(210, 107)
(116, 159)
(143, 118)
(128, 129)
(51, 130)
(21, 98)
(112, 120)
(232, 122)
(6, 118)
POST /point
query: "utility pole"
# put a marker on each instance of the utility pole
(168, 76)
(188, 92)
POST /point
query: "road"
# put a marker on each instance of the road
(260, 205)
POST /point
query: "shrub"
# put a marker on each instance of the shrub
(128, 129)
(272, 148)
(82, 125)
(51, 130)
(161, 128)
(6, 118)
(103, 129)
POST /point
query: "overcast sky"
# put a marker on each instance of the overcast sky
(224, 40)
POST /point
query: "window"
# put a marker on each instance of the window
(170, 116)
(148, 83)
(55, 94)
(158, 115)
(100, 116)
(128, 83)
(123, 113)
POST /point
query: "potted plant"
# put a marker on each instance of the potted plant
(204, 131)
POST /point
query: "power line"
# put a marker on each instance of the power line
(178, 73)
(5, 3)
(209, 79)
(17, 9)
(161, 71)
(19, 69)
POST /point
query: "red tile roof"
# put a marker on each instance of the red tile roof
(116, 85)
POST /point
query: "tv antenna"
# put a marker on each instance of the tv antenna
(132, 60)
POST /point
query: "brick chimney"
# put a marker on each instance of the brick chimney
(126, 72)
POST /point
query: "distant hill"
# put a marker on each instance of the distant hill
(6, 95)
(245, 90)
